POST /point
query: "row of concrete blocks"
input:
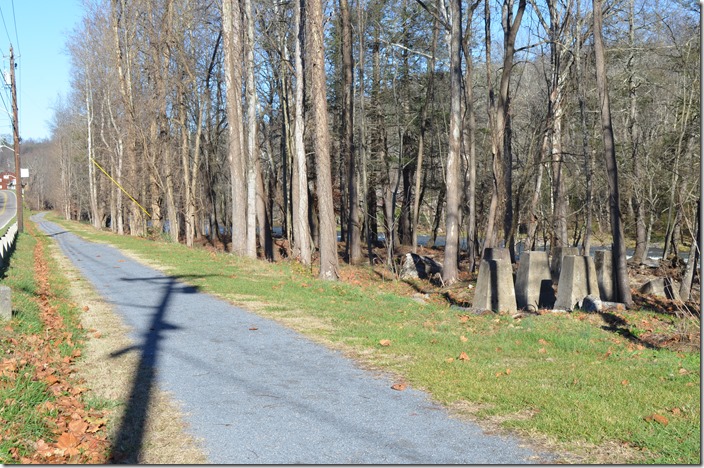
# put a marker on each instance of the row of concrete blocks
(6, 246)
(578, 277)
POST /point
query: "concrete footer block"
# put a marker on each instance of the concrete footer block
(533, 282)
(5, 303)
(577, 281)
(603, 261)
(558, 253)
(495, 289)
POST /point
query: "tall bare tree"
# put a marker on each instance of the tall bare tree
(300, 214)
(315, 60)
(500, 209)
(252, 156)
(622, 290)
(354, 228)
(450, 269)
(232, 48)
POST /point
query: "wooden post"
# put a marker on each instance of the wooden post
(16, 127)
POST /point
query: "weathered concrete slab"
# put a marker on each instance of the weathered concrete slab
(417, 266)
(533, 282)
(5, 303)
(603, 261)
(662, 287)
(577, 281)
(558, 254)
(495, 289)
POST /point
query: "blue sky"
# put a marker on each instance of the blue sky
(39, 42)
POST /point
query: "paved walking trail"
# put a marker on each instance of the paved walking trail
(270, 396)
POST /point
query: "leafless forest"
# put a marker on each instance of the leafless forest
(487, 122)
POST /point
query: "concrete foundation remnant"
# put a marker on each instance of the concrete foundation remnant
(577, 281)
(558, 253)
(5, 303)
(662, 287)
(533, 282)
(495, 289)
(603, 261)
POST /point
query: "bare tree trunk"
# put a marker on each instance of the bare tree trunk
(586, 154)
(470, 145)
(634, 135)
(558, 189)
(232, 47)
(354, 229)
(694, 252)
(450, 268)
(500, 209)
(124, 73)
(263, 216)
(533, 221)
(315, 59)
(251, 98)
(92, 186)
(430, 71)
(622, 290)
(300, 217)
(438, 217)
(363, 132)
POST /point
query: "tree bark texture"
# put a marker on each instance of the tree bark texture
(315, 59)
(622, 288)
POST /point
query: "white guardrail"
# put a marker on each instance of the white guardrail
(6, 242)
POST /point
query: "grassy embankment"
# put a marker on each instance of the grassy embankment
(44, 414)
(568, 380)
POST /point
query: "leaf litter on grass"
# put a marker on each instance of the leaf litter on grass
(76, 433)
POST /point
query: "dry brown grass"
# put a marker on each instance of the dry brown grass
(165, 439)
(608, 453)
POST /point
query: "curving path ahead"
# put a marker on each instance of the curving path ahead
(8, 206)
(269, 396)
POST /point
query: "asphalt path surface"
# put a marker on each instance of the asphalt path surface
(8, 206)
(257, 392)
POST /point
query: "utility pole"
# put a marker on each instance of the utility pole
(16, 127)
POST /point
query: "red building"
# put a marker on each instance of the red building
(7, 180)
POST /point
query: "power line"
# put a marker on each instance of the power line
(7, 32)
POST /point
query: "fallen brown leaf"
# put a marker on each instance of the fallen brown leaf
(78, 426)
(385, 342)
(44, 449)
(463, 339)
(676, 411)
(661, 419)
(624, 382)
(463, 356)
(67, 441)
(464, 318)
(399, 387)
(51, 379)
(657, 418)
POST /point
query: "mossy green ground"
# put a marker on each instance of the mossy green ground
(569, 378)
